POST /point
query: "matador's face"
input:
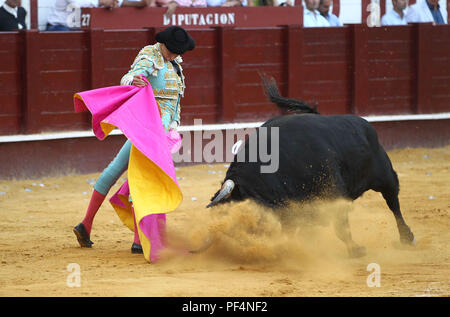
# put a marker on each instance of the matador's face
(168, 55)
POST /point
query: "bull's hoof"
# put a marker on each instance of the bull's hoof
(408, 241)
(407, 237)
(358, 252)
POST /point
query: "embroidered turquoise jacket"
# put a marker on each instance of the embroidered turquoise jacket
(168, 87)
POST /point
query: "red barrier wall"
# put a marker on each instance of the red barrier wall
(353, 69)
(10, 83)
(188, 17)
(390, 71)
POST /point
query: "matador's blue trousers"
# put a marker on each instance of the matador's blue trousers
(117, 167)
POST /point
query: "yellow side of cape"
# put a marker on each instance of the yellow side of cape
(151, 189)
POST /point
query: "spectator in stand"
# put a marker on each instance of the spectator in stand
(226, 3)
(283, 3)
(173, 4)
(311, 16)
(271, 3)
(136, 3)
(324, 9)
(397, 15)
(235, 3)
(426, 11)
(260, 3)
(159, 3)
(62, 16)
(12, 16)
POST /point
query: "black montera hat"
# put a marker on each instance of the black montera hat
(176, 39)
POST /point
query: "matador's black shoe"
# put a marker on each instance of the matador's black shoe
(82, 236)
(136, 248)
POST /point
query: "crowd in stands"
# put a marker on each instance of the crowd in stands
(316, 12)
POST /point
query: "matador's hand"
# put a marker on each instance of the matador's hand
(174, 125)
(138, 81)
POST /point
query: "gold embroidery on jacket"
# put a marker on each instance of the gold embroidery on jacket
(166, 93)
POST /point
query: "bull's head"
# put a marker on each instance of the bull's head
(224, 193)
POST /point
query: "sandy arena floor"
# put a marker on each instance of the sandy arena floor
(254, 256)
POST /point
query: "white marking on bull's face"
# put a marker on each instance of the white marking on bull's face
(236, 147)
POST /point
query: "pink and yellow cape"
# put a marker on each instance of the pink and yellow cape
(151, 181)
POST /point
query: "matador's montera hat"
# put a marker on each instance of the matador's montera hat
(176, 39)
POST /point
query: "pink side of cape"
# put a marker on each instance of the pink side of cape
(135, 112)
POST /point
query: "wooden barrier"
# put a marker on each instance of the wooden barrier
(354, 69)
(132, 18)
(11, 91)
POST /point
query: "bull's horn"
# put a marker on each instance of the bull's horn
(225, 191)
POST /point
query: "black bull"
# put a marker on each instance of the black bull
(333, 156)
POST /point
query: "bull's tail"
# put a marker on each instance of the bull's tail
(288, 104)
